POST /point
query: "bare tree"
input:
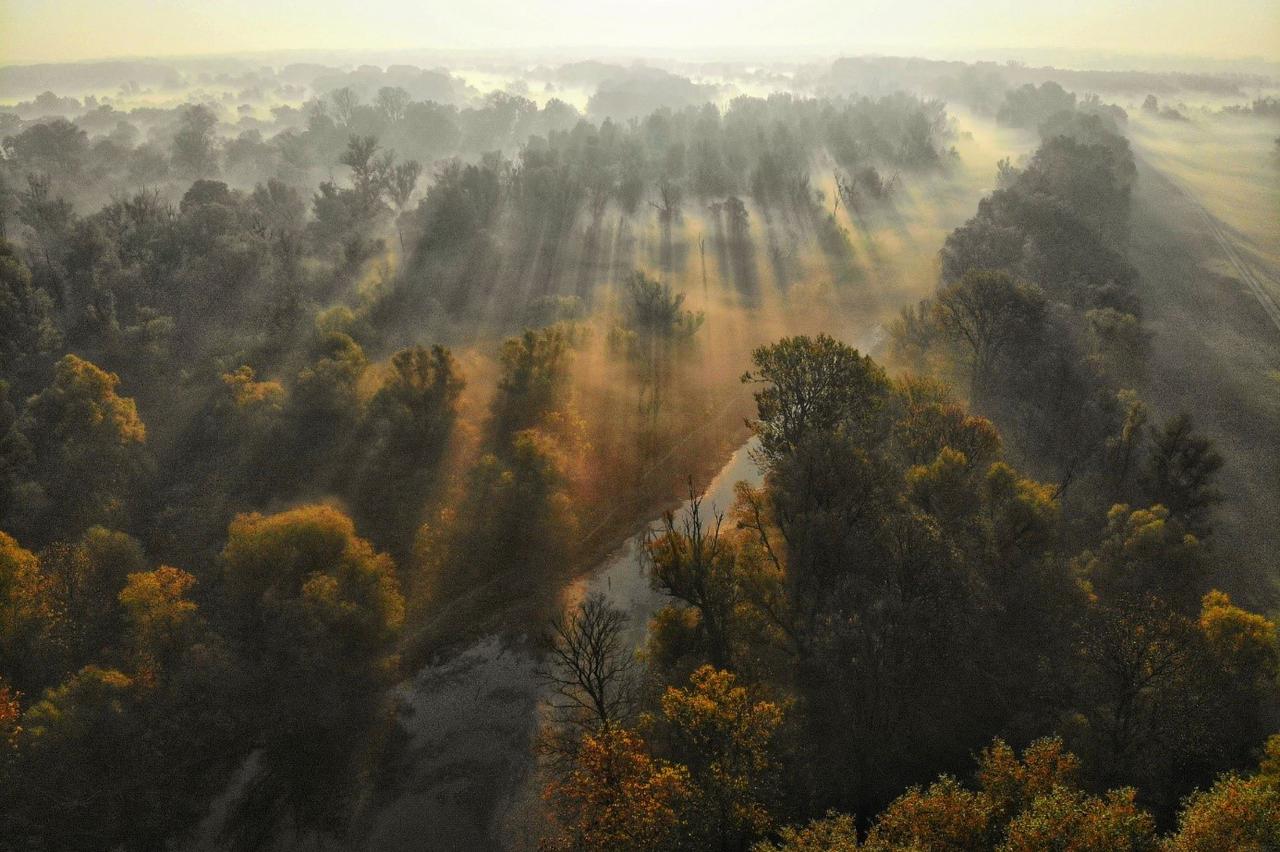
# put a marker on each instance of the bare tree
(591, 672)
(392, 102)
(345, 102)
(368, 171)
(689, 561)
(702, 255)
(671, 195)
(401, 181)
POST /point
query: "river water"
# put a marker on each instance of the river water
(467, 779)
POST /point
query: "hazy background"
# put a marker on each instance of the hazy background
(1081, 33)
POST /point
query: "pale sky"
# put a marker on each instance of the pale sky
(59, 30)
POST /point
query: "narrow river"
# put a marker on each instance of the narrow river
(468, 780)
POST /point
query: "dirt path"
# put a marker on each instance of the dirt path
(1215, 352)
(1250, 274)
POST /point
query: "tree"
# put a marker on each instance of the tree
(87, 442)
(57, 146)
(929, 419)
(317, 612)
(407, 424)
(402, 180)
(1169, 698)
(26, 321)
(10, 718)
(1119, 343)
(160, 618)
(725, 737)
(82, 782)
(85, 578)
(989, 315)
(1028, 106)
(654, 329)
(418, 400)
(814, 384)
(1180, 473)
(1145, 551)
(345, 102)
(29, 616)
(193, 148)
(325, 403)
(1013, 783)
(516, 519)
(592, 671)
(391, 101)
(697, 566)
(305, 575)
(617, 797)
(17, 458)
(835, 832)
(942, 817)
(366, 176)
(1123, 447)
(1073, 821)
(1241, 814)
(1091, 171)
(534, 374)
(50, 218)
(654, 313)
(1021, 805)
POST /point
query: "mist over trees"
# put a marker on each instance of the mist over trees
(312, 376)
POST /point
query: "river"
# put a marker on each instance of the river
(467, 778)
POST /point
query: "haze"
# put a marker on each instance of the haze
(63, 30)
(599, 426)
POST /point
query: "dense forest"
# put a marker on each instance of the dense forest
(289, 412)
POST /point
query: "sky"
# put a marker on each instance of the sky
(64, 30)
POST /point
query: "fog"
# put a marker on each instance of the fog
(602, 426)
(80, 29)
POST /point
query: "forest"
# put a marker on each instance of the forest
(326, 391)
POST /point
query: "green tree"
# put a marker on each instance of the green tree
(317, 613)
(87, 443)
(1146, 551)
(989, 316)
(85, 577)
(26, 321)
(814, 384)
(193, 149)
(82, 781)
(535, 368)
(1180, 473)
(406, 427)
(56, 146)
(324, 406)
(366, 174)
(696, 565)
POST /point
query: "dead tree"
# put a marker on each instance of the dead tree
(591, 672)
